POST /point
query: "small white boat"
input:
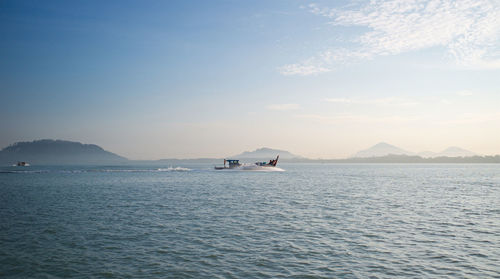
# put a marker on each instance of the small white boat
(235, 164)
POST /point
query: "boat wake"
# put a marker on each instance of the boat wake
(169, 169)
(256, 168)
(73, 171)
(175, 169)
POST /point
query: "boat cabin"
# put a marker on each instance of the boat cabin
(233, 163)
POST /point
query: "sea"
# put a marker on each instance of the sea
(307, 221)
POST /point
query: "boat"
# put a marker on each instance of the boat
(231, 164)
(271, 163)
(22, 164)
(235, 164)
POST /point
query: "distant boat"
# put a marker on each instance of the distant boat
(22, 164)
(235, 164)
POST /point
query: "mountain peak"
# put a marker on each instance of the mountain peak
(382, 144)
(454, 148)
(265, 149)
(381, 149)
(454, 151)
(265, 153)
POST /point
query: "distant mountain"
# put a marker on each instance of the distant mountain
(428, 154)
(405, 159)
(48, 152)
(456, 152)
(265, 153)
(381, 149)
(448, 152)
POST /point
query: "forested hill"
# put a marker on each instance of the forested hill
(52, 152)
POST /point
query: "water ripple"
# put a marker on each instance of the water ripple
(312, 221)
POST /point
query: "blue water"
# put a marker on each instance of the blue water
(311, 221)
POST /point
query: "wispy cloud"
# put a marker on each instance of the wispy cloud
(303, 69)
(468, 29)
(356, 118)
(471, 118)
(381, 101)
(449, 119)
(464, 93)
(340, 100)
(283, 107)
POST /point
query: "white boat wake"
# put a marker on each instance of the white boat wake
(175, 169)
(254, 167)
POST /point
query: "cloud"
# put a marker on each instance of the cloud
(469, 30)
(357, 118)
(381, 101)
(340, 100)
(304, 69)
(465, 93)
(284, 107)
(471, 118)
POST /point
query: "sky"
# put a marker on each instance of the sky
(191, 79)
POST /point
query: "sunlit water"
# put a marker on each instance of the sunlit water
(310, 221)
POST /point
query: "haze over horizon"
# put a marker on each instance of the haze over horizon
(191, 79)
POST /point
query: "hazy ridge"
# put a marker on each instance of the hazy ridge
(266, 153)
(384, 149)
(60, 152)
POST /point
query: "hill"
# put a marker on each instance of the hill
(452, 151)
(456, 152)
(428, 154)
(265, 153)
(381, 149)
(384, 149)
(57, 152)
(405, 159)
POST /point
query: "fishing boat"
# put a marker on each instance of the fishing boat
(22, 164)
(231, 164)
(235, 164)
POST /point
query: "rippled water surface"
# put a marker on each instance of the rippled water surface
(310, 221)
